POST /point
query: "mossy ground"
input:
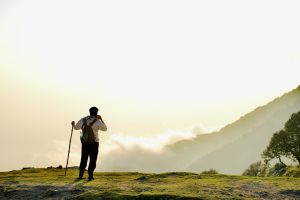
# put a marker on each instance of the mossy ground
(52, 184)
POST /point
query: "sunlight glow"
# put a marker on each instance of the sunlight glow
(150, 66)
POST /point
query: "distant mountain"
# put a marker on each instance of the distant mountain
(232, 149)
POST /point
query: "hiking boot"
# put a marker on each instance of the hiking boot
(91, 178)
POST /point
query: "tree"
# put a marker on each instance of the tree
(277, 147)
(285, 143)
(292, 127)
(256, 169)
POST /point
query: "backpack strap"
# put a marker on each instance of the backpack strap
(93, 122)
(85, 122)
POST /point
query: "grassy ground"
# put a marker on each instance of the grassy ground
(52, 184)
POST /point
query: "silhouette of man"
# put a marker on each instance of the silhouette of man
(90, 149)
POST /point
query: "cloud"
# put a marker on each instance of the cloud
(146, 154)
(120, 152)
(57, 155)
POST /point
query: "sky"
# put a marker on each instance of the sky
(150, 66)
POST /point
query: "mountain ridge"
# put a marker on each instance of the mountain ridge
(200, 153)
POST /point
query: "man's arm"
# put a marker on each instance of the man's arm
(102, 125)
(78, 125)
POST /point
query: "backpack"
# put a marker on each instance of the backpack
(88, 136)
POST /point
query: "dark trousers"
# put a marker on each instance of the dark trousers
(88, 150)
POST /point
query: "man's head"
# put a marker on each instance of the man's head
(93, 111)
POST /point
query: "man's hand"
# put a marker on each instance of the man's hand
(100, 118)
(73, 123)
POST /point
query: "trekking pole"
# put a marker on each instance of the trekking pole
(69, 151)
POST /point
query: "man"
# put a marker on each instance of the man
(90, 149)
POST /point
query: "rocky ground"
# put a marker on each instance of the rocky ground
(52, 184)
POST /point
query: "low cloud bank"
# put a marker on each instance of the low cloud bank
(120, 152)
(144, 154)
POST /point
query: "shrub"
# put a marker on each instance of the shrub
(293, 171)
(256, 169)
(211, 171)
(277, 170)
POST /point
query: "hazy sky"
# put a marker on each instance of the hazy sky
(150, 66)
